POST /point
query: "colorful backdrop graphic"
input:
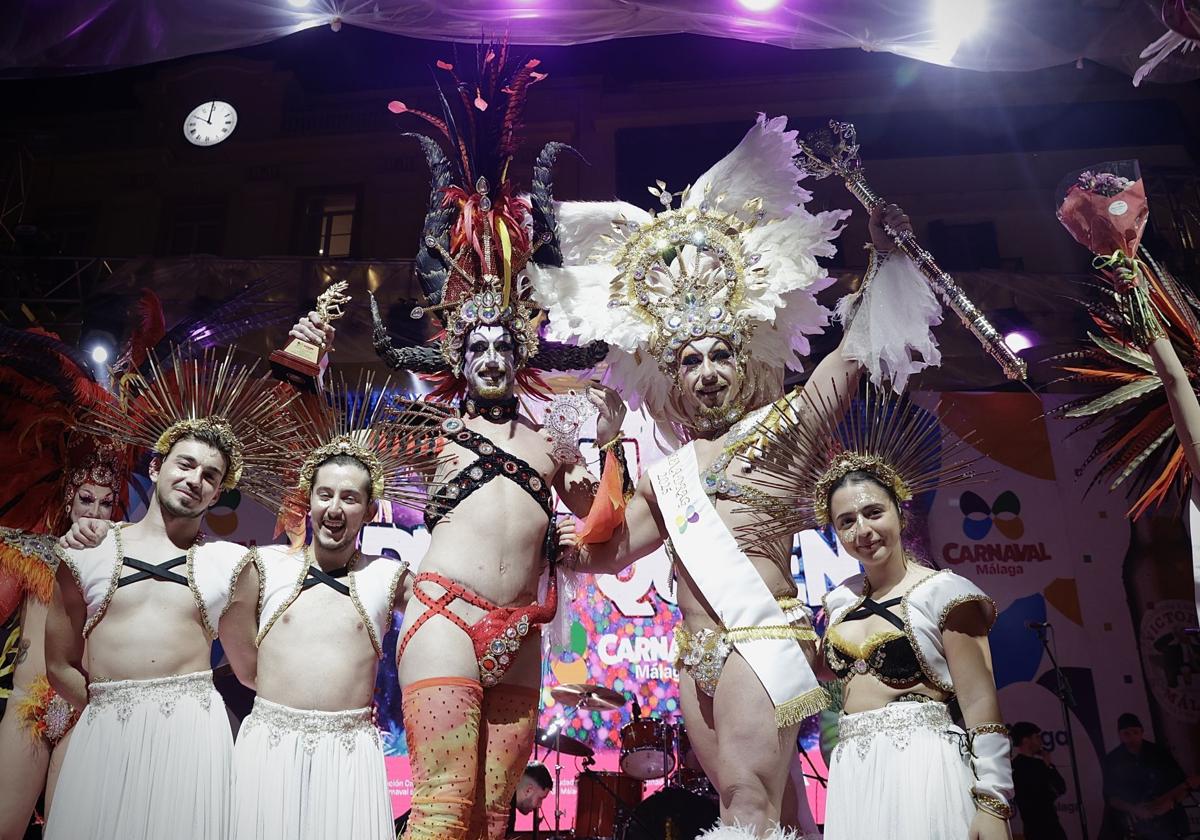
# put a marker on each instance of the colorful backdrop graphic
(1027, 534)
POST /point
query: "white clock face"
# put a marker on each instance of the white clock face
(210, 123)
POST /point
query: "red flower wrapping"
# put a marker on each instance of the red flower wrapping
(1106, 224)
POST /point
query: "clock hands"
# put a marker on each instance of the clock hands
(211, 108)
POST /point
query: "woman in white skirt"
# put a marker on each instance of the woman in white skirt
(902, 638)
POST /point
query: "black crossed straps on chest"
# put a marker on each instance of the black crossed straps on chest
(148, 571)
(492, 462)
(871, 607)
(318, 575)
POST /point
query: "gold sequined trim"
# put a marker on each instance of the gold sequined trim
(287, 602)
(770, 631)
(65, 560)
(959, 600)
(262, 587)
(992, 804)
(196, 594)
(251, 556)
(391, 596)
(868, 645)
(112, 584)
(362, 610)
(926, 668)
(798, 708)
(985, 728)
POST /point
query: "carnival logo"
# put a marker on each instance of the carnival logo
(979, 516)
(690, 516)
(994, 558)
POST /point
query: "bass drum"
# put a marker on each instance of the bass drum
(672, 812)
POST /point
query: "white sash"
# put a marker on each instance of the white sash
(734, 588)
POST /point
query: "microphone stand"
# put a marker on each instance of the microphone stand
(1067, 700)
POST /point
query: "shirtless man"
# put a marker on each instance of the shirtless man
(151, 755)
(469, 706)
(305, 629)
(724, 284)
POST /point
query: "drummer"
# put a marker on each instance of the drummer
(532, 790)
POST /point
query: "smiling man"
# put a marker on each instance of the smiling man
(705, 306)
(151, 755)
(305, 629)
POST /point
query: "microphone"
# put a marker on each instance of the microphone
(1037, 625)
(637, 709)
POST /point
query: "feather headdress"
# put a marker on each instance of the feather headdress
(479, 232)
(736, 259)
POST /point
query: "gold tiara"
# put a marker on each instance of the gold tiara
(353, 420)
(808, 443)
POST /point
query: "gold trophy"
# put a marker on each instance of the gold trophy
(299, 362)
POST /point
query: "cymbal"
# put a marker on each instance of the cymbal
(584, 696)
(564, 744)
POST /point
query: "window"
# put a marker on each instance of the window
(328, 224)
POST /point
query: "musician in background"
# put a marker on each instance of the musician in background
(1143, 785)
(1037, 784)
(532, 790)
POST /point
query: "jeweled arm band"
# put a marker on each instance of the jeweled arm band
(993, 788)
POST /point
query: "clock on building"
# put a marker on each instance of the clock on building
(209, 123)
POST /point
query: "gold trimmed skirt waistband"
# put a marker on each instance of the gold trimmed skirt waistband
(161, 692)
(310, 725)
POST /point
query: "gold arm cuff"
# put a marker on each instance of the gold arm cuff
(985, 728)
(994, 805)
(614, 442)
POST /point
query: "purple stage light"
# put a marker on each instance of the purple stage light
(1018, 341)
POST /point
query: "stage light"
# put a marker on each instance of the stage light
(758, 5)
(1018, 341)
(298, 4)
(99, 354)
(954, 21)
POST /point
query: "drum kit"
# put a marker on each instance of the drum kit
(614, 805)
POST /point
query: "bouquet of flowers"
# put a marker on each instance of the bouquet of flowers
(1104, 208)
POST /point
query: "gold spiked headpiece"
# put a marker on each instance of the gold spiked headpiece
(354, 420)
(809, 443)
(210, 394)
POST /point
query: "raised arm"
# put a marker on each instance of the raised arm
(239, 625)
(64, 639)
(1185, 408)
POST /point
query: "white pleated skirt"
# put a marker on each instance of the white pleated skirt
(148, 759)
(901, 773)
(310, 775)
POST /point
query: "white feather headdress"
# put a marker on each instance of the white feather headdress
(736, 259)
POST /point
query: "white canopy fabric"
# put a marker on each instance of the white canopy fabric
(84, 36)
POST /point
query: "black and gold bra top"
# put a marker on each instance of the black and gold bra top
(492, 462)
(887, 655)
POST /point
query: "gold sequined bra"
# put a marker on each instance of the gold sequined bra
(888, 656)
